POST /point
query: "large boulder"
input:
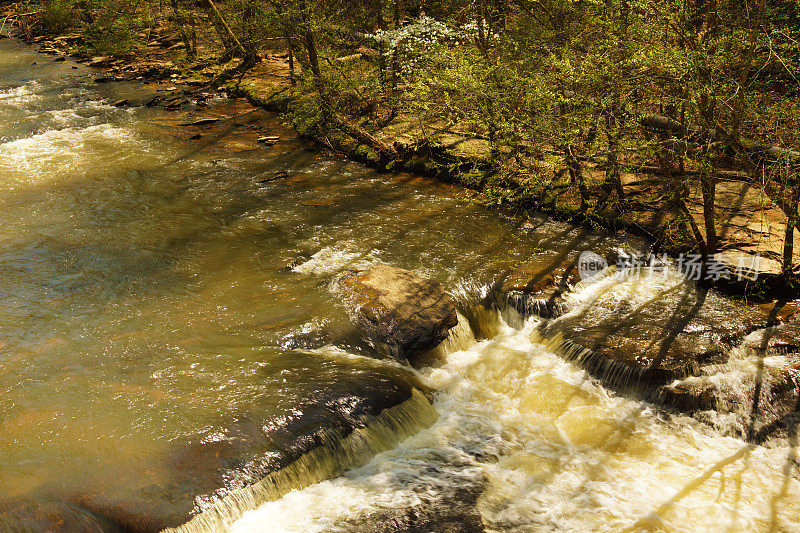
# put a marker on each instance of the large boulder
(399, 309)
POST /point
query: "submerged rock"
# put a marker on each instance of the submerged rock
(355, 413)
(784, 339)
(399, 309)
(453, 511)
(756, 398)
(327, 453)
(537, 287)
(759, 386)
(688, 395)
(52, 516)
(543, 276)
(171, 100)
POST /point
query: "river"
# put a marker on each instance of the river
(169, 336)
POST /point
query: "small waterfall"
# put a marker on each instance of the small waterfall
(335, 454)
(547, 447)
(458, 338)
(529, 305)
(753, 395)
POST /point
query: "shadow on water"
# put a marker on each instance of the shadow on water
(176, 239)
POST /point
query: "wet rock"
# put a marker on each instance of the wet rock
(342, 335)
(104, 79)
(452, 512)
(196, 82)
(645, 353)
(399, 309)
(298, 260)
(99, 61)
(755, 391)
(68, 39)
(134, 514)
(156, 69)
(269, 139)
(202, 122)
(537, 287)
(121, 103)
(172, 100)
(689, 395)
(644, 333)
(52, 516)
(275, 177)
(758, 400)
(251, 445)
(784, 338)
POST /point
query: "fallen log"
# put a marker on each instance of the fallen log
(761, 153)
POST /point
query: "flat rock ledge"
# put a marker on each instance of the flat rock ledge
(691, 350)
(399, 310)
(758, 390)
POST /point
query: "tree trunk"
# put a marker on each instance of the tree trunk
(576, 175)
(708, 186)
(180, 20)
(226, 35)
(613, 181)
(698, 236)
(738, 107)
(329, 114)
(791, 224)
(380, 24)
(292, 79)
(395, 58)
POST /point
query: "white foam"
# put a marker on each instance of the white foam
(64, 153)
(21, 95)
(551, 449)
(333, 259)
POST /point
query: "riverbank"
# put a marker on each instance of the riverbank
(532, 288)
(751, 227)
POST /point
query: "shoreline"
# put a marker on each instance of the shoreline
(443, 155)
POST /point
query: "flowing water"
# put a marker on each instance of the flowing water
(170, 343)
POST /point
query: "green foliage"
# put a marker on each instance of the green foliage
(58, 16)
(526, 89)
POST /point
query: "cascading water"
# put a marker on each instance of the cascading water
(547, 447)
(172, 354)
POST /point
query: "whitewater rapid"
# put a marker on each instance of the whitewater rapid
(548, 447)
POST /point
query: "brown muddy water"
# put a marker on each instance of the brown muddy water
(169, 340)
